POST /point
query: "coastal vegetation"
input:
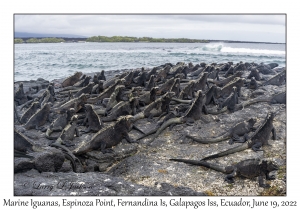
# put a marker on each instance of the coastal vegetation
(142, 39)
(36, 40)
(18, 41)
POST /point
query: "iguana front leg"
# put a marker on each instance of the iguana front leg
(256, 147)
(274, 134)
(229, 177)
(128, 139)
(261, 182)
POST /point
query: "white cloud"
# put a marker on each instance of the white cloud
(167, 26)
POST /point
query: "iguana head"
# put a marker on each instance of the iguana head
(36, 105)
(252, 121)
(269, 165)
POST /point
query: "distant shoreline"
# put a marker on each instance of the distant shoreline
(21, 40)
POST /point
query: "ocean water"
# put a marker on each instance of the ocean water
(54, 61)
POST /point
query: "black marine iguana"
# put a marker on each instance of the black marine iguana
(68, 133)
(106, 93)
(29, 112)
(277, 79)
(230, 101)
(108, 137)
(76, 103)
(60, 123)
(259, 138)
(39, 118)
(188, 91)
(164, 88)
(122, 108)
(71, 80)
(148, 97)
(151, 83)
(93, 120)
(227, 80)
(85, 90)
(249, 168)
(239, 129)
(156, 108)
(237, 82)
(115, 97)
(20, 97)
(191, 115)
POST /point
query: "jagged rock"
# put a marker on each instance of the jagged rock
(49, 160)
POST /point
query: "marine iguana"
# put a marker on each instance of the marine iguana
(164, 88)
(211, 95)
(156, 108)
(277, 79)
(237, 82)
(253, 84)
(230, 71)
(227, 80)
(94, 121)
(191, 115)
(39, 118)
(249, 168)
(230, 101)
(140, 80)
(115, 97)
(188, 91)
(29, 112)
(98, 88)
(83, 82)
(151, 83)
(60, 123)
(108, 137)
(239, 129)
(85, 90)
(259, 138)
(122, 108)
(162, 74)
(106, 93)
(254, 73)
(76, 103)
(151, 72)
(201, 82)
(128, 79)
(279, 98)
(68, 133)
(102, 76)
(149, 97)
(70, 81)
(47, 96)
(214, 74)
(20, 97)
(176, 87)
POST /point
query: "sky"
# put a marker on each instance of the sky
(258, 28)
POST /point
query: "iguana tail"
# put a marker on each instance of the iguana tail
(210, 140)
(68, 154)
(147, 134)
(171, 121)
(253, 101)
(138, 116)
(229, 151)
(202, 163)
(217, 112)
(182, 101)
(22, 154)
(109, 118)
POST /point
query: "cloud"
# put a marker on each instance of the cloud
(159, 26)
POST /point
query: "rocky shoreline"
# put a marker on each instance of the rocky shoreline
(143, 168)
